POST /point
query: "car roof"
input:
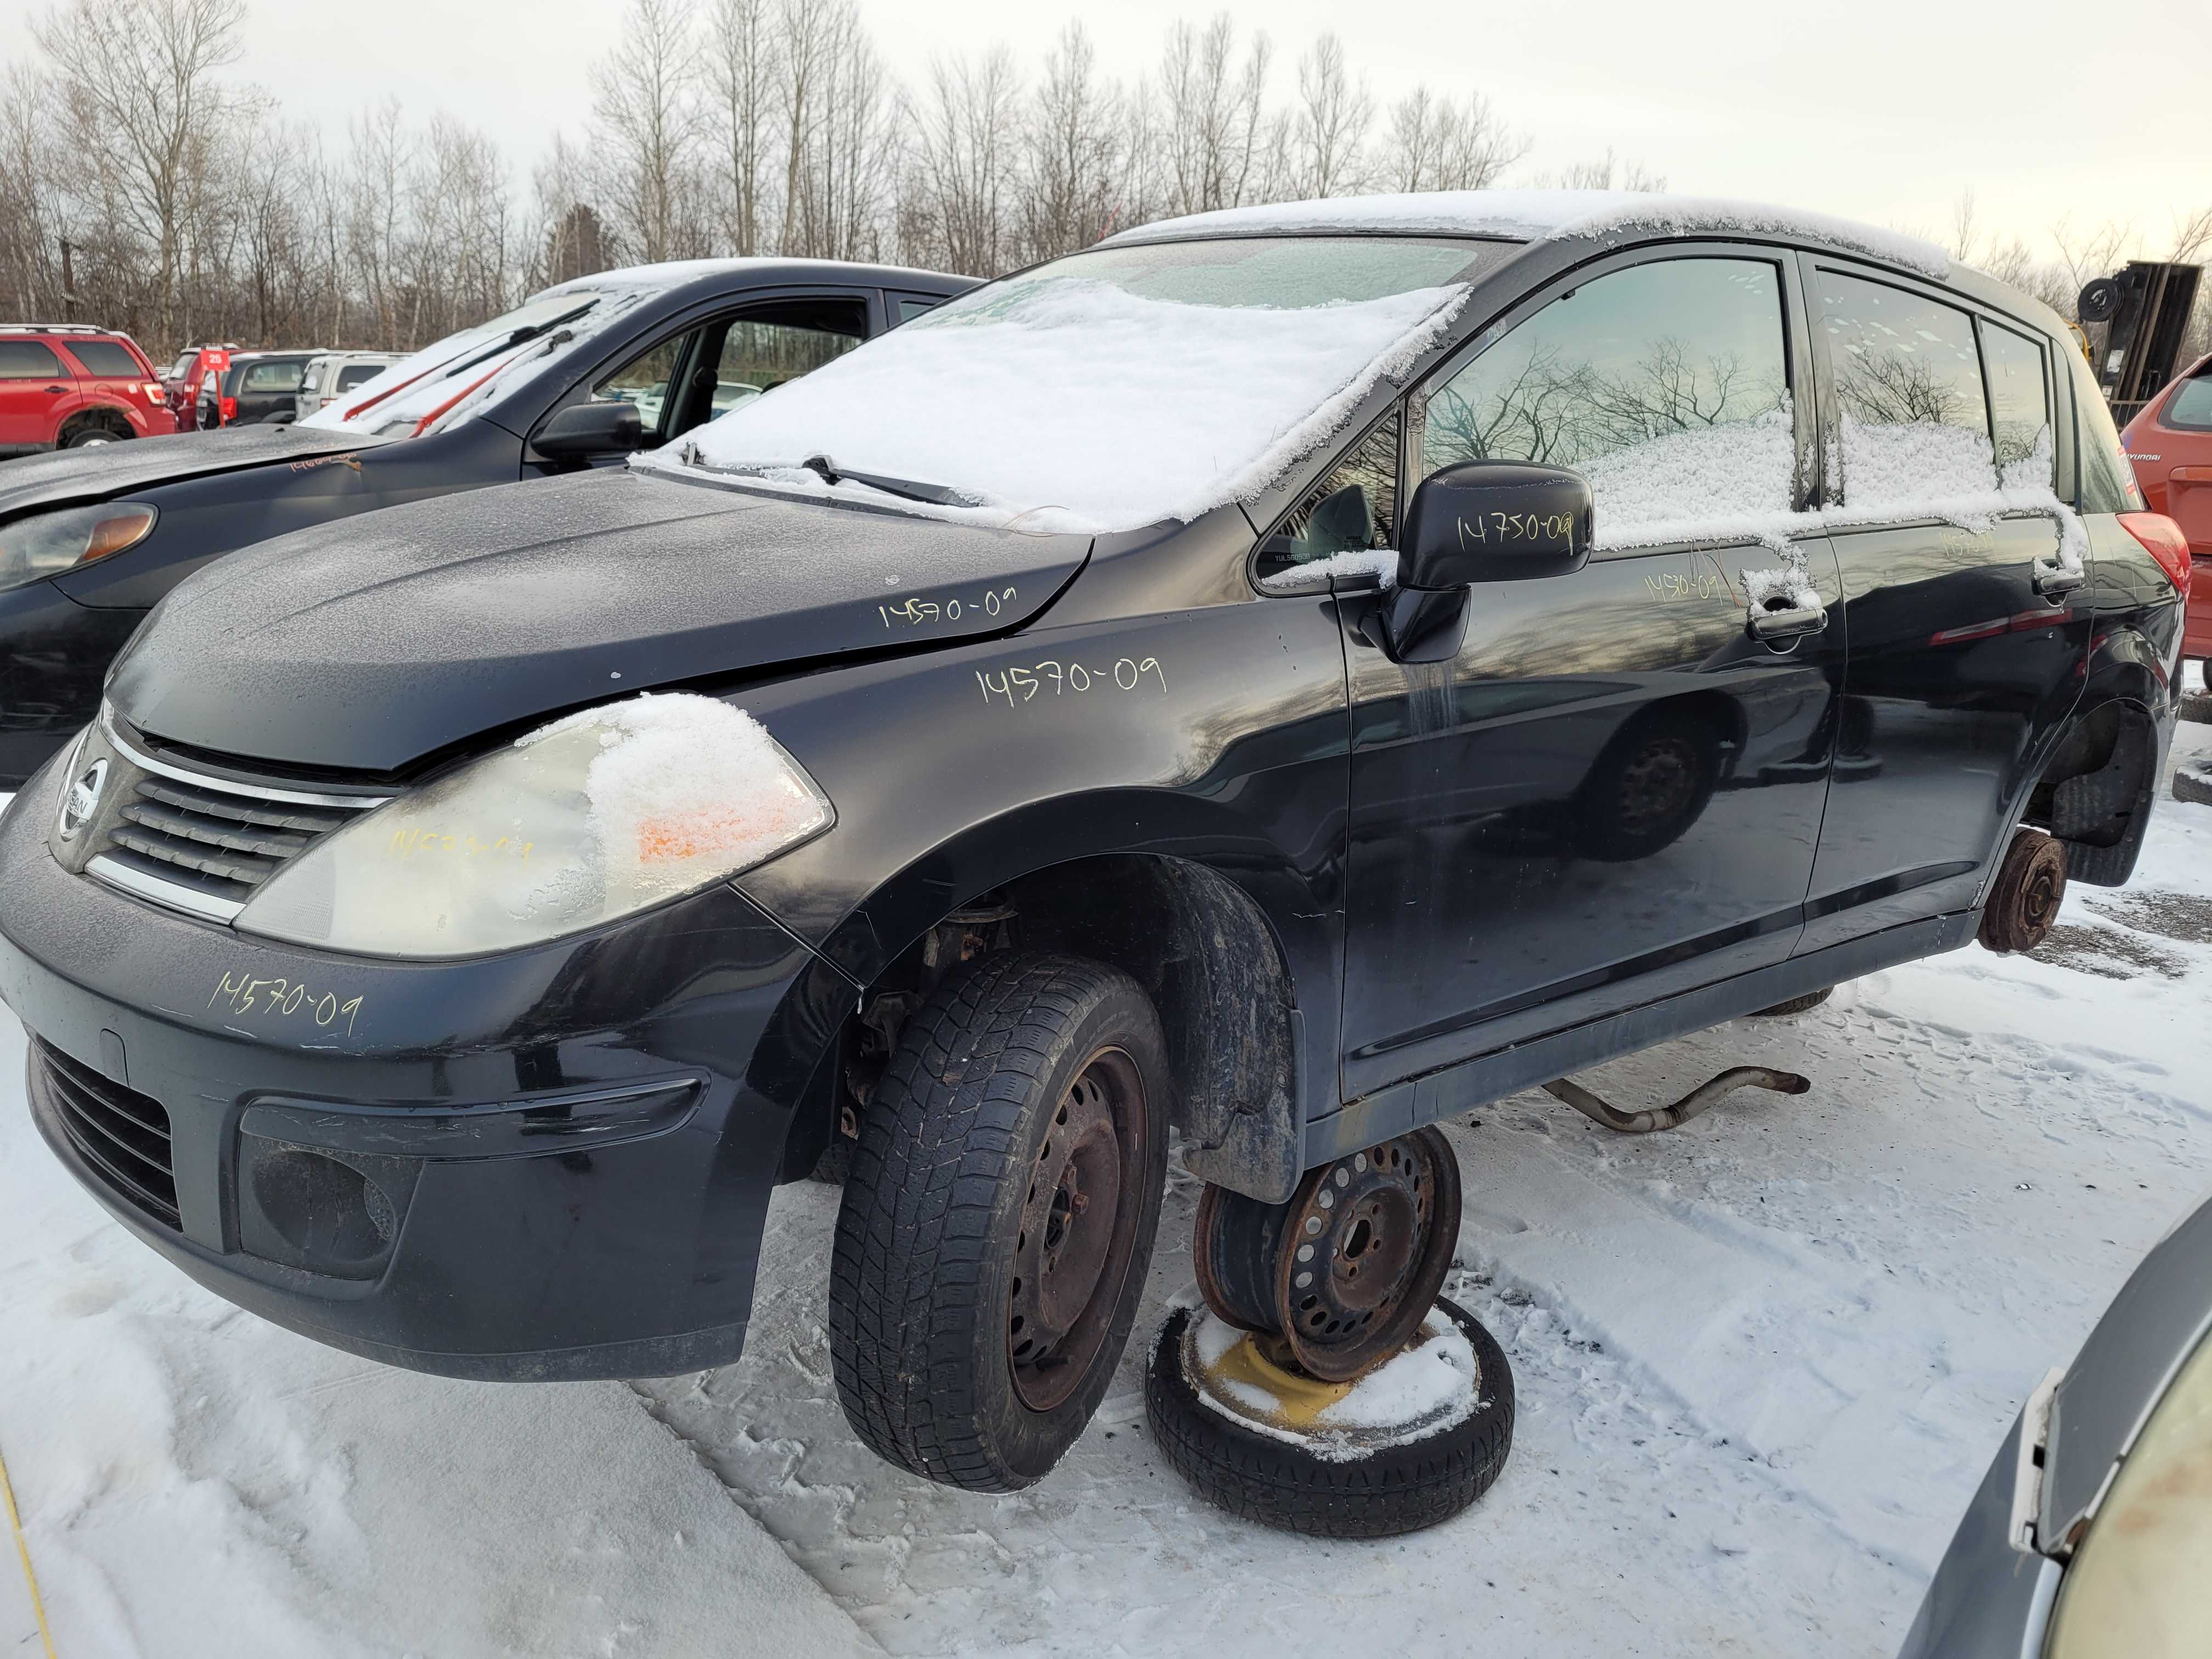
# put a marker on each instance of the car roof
(1528, 216)
(672, 275)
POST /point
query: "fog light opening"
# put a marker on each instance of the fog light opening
(321, 1207)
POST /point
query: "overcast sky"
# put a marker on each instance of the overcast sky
(1883, 110)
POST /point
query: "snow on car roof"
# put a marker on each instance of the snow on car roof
(1550, 216)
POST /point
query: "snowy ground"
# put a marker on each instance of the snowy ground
(1762, 1362)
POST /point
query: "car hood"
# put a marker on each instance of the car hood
(107, 471)
(367, 645)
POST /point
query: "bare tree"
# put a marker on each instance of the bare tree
(1213, 125)
(744, 69)
(1076, 165)
(140, 74)
(649, 124)
(1436, 145)
(1608, 172)
(966, 138)
(1330, 126)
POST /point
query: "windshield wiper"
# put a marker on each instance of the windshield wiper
(521, 336)
(906, 488)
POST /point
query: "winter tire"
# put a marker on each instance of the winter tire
(1281, 1483)
(998, 1218)
(1796, 1005)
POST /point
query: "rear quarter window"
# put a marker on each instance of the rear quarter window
(2192, 408)
(107, 359)
(2108, 483)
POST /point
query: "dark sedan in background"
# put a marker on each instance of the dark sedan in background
(583, 373)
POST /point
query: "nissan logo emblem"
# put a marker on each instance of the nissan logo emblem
(82, 799)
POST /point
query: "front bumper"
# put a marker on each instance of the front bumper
(550, 1164)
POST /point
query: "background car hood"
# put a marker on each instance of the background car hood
(367, 645)
(105, 471)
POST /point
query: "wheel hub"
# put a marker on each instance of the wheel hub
(1078, 1226)
(1345, 1271)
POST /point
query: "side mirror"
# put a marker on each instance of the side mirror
(1495, 521)
(584, 431)
(1481, 521)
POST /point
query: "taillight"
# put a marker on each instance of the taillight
(154, 392)
(229, 409)
(2162, 539)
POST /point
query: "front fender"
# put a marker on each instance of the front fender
(1218, 737)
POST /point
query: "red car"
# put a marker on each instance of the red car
(65, 386)
(195, 385)
(2170, 444)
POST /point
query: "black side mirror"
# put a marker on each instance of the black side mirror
(1495, 521)
(1480, 521)
(583, 431)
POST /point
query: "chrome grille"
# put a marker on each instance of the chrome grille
(122, 1134)
(203, 843)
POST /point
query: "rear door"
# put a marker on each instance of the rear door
(1961, 669)
(112, 372)
(36, 390)
(1612, 792)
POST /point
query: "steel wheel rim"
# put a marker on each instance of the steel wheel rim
(1078, 1230)
(1347, 1300)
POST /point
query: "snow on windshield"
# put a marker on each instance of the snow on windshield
(443, 385)
(1550, 215)
(1108, 391)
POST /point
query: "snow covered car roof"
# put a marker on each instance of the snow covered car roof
(1548, 216)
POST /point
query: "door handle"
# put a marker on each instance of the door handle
(2051, 579)
(57, 388)
(1788, 624)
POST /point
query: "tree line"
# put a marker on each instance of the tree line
(144, 186)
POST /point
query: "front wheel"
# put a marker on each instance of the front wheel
(998, 1218)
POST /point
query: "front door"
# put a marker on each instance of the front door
(1961, 668)
(1612, 790)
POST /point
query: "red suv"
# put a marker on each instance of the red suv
(2170, 444)
(63, 385)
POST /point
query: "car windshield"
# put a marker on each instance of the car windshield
(447, 383)
(1115, 388)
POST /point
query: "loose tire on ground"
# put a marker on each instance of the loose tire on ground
(951, 1197)
(1796, 1005)
(1279, 1483)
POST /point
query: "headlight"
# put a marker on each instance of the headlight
(47, 543)
(588, 819)
(2137, 1585)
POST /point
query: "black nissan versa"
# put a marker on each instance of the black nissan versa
(579, 375)
(1284, 677)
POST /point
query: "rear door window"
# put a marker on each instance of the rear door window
(1915, 423)
(2020, 406)
(356, 374)
(29, 360)
(1665, 384)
